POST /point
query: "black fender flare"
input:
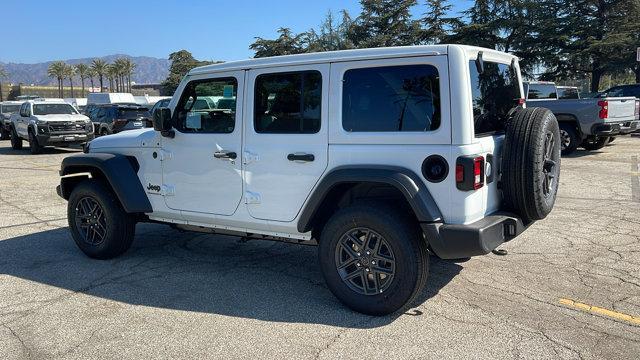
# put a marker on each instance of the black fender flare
(119, 171)
(403, 179)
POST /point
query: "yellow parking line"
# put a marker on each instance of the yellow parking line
(601, 311)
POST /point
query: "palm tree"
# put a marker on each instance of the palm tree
(100, 68)
(91, 73)
(112, 74)
(57, 70)
(83, 72)
(120, 65)
(129, 67)
(3, 75)
(69, 72)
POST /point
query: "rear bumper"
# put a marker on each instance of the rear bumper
(450, 241)
(612, 129)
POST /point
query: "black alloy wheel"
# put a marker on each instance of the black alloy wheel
(91, 221)
(365, 261)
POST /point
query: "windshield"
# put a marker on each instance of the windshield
(47, 109)
(9, 109)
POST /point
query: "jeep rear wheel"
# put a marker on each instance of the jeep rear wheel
(99, 225)
(372, 258)
(16, 142)
(531, 163)
(34, 146)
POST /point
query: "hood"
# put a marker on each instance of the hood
(62, 117)
(146, 137)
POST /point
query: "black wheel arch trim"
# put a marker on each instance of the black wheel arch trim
(119, 171)
(403, 179)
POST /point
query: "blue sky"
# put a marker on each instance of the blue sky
(39, 31)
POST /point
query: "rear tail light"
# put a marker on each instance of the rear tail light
(521, 101)
(470, 172)
(604, 109)
(119, 122)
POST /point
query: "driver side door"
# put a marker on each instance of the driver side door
(202, 163)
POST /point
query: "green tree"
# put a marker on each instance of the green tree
(332, 35)
(83, 72)
(3, 75)
(287, 43)
(57, 70)
(181, 62)
(600, 38)
(384, 23)
(436, 23)
(99, 67)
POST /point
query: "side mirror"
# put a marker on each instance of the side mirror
(162, 122)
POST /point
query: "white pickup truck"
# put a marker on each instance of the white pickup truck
(586, 123)
(49, 123)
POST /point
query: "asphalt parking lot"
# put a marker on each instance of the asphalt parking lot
(568, 288)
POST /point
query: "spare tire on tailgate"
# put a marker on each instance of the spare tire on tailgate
(531, 163)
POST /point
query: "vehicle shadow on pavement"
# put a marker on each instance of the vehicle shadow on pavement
(166, 268)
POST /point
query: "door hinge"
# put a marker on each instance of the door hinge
(251, 197)
(248, 157)
(168, 190)
(165, 155)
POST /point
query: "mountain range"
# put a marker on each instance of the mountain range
(149, 70)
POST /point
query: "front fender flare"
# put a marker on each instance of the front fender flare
(403, 179)
(118, 170)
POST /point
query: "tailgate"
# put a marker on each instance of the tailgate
(621, 108)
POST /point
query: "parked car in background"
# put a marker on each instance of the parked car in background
(587, 123)
(7, 108)
(568, 92)
(622, 90)
(49, 123)
(113, 118)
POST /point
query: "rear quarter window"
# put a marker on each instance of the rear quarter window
(391, 98)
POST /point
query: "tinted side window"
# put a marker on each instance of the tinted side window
(632, 91)
(495, 93)
(391, 98)
(288, 103)
(197, 113)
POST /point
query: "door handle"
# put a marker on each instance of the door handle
(300, 157)
(224, 154)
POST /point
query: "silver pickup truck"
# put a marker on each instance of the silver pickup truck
(587, 123)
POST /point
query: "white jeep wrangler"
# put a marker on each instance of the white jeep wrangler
(381, 156)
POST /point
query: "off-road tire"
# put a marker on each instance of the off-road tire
(4, 133)
(118, 226)
(569, 138)
(592, 144)
(34, 146)
(531, 163)
(405, 243)
(16, 142)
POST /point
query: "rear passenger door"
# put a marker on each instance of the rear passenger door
(285, 150)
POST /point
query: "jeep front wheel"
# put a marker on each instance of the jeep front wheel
(99, 225)
(373, 258)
